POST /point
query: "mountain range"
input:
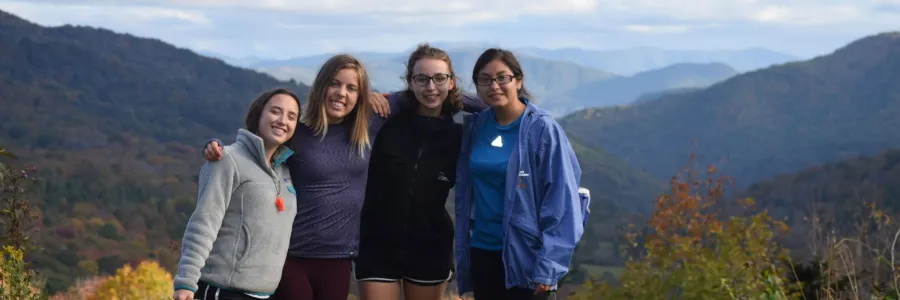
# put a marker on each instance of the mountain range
(763, 123)
(625, 90)
(634, 60)
(115, 125)
(561, 86)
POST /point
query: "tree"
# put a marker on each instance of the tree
(148, 281)
(690, 252)
(16, 278)
(16, 214)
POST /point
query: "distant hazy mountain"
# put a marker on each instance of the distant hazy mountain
(651, 96)
(237, 62)
(624, 90)
(548, 80)
(762, 123)
(554, 75)
(633, 60)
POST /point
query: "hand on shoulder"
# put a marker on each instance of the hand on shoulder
(213, 151)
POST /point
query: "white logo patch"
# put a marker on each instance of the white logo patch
(498, 142)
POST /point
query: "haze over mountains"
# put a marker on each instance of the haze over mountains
(115, 124)
(562, 80)
(763, 123)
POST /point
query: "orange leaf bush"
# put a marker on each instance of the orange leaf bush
(689, 251)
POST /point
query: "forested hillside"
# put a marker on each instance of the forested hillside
(625, 90)
(831, 198)
(763, 123)
(114, 124)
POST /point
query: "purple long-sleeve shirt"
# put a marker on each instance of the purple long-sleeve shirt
(330, 179)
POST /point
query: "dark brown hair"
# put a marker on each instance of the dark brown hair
(453, 103)
(508, 59)
(316, 117)
(251, 122)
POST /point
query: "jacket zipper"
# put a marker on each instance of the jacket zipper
(276, 180)
(412, 179)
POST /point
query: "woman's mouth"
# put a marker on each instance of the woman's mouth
(431, 97)
(337, 104)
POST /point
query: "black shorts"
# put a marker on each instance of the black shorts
(415, 269)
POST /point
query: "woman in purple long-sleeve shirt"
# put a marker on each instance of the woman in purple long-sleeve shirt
(329, 171)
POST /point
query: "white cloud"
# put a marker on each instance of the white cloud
(509, 8)
(285, 28)
(657, 28)
(107, 13)
(796, 12)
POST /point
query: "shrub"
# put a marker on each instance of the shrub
(148, 281)
(687, 251)
(16, 279)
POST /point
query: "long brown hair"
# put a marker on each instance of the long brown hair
(315, 116)
(452, 104)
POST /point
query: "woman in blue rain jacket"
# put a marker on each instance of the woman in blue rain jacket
(518, 187)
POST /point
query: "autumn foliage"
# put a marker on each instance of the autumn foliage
(17, 279)
(688, 250)
(147, 281)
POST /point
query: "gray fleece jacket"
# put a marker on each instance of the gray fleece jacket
(237, 238)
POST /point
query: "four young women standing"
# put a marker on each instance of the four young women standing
(516, 177)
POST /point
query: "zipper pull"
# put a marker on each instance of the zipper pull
(279, 203)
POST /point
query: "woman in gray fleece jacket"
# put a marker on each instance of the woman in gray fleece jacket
(236, 241)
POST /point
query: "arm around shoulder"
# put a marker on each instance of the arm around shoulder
(472, 104)
(217, 181)
(561, 214)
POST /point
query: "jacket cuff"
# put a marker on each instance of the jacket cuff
(547, 272)
(544, 281)
(184, 287)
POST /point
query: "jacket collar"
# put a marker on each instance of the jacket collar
(254, 144)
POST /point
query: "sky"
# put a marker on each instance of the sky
(291, 28)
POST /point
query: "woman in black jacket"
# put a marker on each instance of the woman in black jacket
(406, 234)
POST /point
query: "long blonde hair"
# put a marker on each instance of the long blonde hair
(315, 116)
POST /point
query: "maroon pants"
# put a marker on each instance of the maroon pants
(314, 279)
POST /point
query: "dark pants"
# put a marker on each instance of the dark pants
(207, 292)
(489, 279)
(314, 279)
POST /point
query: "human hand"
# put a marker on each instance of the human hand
(380, 104)
(541, 288)
(213, 151)
(183, 295)
(465, 296)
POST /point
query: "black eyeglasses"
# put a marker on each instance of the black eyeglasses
(500, 79)
(439, 79)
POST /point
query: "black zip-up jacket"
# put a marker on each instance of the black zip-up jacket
(411, 172)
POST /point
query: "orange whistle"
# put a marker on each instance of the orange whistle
(279, 203)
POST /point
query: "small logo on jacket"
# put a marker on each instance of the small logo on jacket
(522, 180)
(441, 177)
